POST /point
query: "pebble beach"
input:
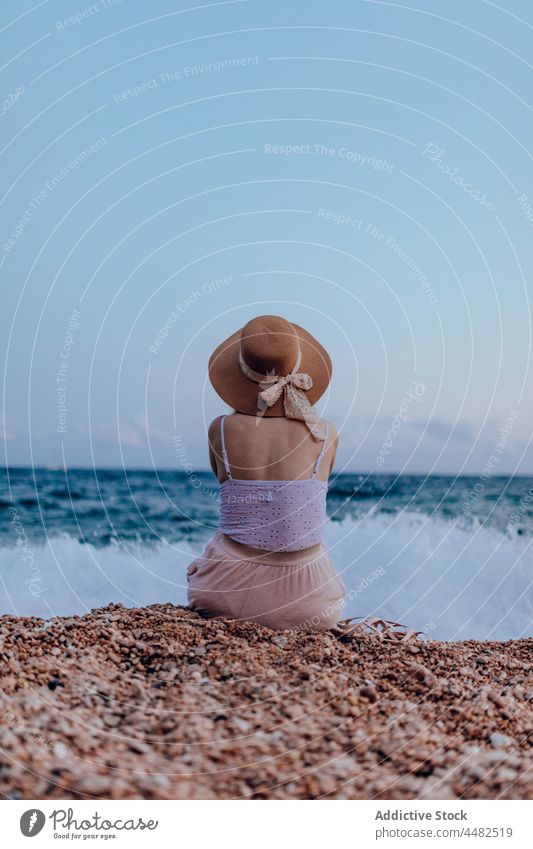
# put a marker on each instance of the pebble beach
(159, 703)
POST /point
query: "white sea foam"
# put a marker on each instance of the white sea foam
(454, 583)
(424, 572)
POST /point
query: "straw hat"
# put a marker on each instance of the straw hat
(272, 367)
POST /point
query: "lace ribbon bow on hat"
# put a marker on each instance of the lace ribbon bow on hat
(295, 404)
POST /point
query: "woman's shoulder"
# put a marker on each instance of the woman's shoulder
(233, 422)
(333, 433)
(213, 434)
(214, 427)
(239, 422)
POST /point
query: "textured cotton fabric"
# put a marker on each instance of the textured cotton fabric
(273, 515)
(277, 590)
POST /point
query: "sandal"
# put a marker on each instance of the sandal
(368, 626)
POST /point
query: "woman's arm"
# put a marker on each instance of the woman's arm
(332, 448)
(213, 436)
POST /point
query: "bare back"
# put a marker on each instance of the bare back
(269, 448)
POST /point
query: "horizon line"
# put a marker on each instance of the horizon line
(154, 469)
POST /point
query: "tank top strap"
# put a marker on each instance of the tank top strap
(224, 452)
(321, 455)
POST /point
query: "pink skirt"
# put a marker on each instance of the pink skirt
(277, 589)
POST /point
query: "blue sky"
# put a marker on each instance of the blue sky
(362, 168)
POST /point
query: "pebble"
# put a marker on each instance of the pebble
(159, 703)
(369, 692)
(500, 741)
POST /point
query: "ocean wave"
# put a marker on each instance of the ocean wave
(453, 582)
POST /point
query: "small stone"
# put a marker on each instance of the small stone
(505, 776)
(423, 675)
(500, 741)
(138, 746)
(496, 699)
(369, 692)
(60, 750)
(260, 715)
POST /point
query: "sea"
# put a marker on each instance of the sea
(451, 556)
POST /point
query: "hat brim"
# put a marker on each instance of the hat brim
(241, 393)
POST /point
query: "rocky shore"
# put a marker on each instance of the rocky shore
(159, 703)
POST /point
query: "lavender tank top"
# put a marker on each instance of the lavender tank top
(278, 515)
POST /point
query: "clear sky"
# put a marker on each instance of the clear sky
(170, 170)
